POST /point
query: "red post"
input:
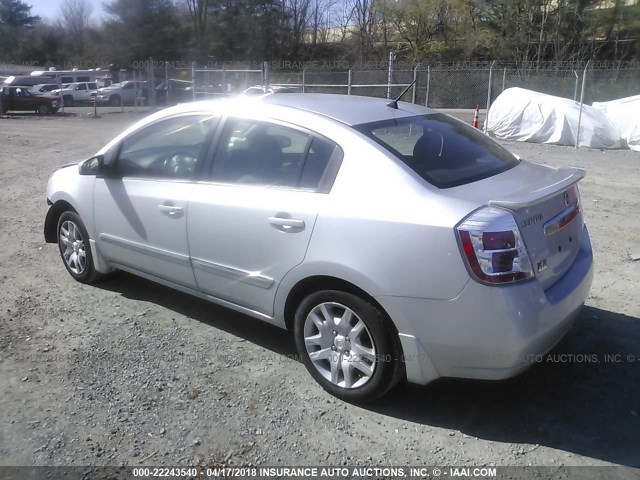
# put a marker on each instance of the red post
(476, 117)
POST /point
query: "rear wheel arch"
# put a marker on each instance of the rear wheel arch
(51, 221)
(313, 284)
(313, 292)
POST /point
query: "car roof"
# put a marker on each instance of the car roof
(349, 109)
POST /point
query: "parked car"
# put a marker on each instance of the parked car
(123, 93)
(77, 93)
(172, 92)
(257, 90)
(395, 241)
(44, 88)
(20, 99)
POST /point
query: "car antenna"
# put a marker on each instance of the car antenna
(394, 103)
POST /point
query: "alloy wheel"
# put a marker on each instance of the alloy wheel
(72, 247)
(339, 345)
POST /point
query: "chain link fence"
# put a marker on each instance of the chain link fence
(438, 86)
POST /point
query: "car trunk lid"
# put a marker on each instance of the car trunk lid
(545, 204)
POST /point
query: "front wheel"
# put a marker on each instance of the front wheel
(43, 110)
(73, 242)
(348, 345)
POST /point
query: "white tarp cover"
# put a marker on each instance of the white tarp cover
(625, 114)
(528, 116)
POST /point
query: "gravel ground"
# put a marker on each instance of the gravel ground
(127, 372)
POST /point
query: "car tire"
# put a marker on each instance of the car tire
(114, 101)
(68, 101)
(43, 110)
(75, 250)
(348, 345)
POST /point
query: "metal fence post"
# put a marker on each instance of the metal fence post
(349, 82)
(414, 92)
(135, 90)
(59, 82)
(390, 73)
(584, 80)
(193, 80)
(426, 97)
(575, 90)
(489, 95)
(265, 74)
(304, 80)
(504, 78)
(151, 84)
(225, 90)
(166, 82)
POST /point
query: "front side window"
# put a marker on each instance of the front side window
(168, 149)
(251, 152)
(443, 151)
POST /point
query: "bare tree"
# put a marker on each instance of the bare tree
(198, 10)
(75, 16)
(365, 15)
(320, 19)
(295, 16)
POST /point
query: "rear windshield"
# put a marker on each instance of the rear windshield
(444, 151)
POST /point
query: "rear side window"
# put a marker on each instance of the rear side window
(443, 151)
(252, 152)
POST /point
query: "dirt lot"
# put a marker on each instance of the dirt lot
(127, 372)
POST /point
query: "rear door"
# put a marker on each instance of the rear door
(82, 93)
(251, 219)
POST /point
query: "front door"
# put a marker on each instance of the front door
(141, 207)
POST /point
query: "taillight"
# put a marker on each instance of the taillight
(493, 248)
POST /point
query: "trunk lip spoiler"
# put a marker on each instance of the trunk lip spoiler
(573, 175)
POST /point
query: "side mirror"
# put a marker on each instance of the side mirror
(92, 166)
(96, 166)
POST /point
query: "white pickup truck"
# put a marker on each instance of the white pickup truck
(77, 93)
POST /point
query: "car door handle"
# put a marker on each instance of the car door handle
(171, 210)
(286, 223)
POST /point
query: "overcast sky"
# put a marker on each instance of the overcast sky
(50, 9)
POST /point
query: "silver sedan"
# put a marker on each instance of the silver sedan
(395, 241)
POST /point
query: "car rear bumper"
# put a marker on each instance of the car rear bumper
(489, 332)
